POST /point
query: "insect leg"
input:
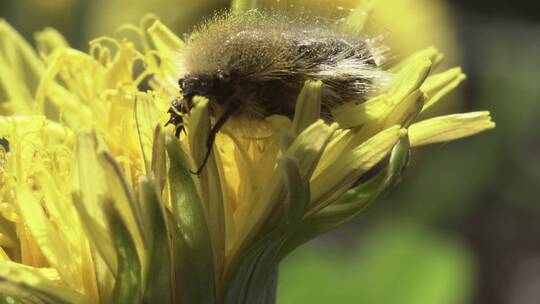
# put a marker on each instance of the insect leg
(4, 143)
(213, 132)
(177, 119)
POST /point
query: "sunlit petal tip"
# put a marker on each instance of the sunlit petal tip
(338, 177)
(449, 127)
(49, 40)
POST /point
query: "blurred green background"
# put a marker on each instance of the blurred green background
(464, 225)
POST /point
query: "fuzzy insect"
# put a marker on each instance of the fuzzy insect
(254, 65)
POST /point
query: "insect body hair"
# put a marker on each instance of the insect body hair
(253, 65)
(265, 49)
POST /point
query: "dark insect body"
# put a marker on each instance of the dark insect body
(254, 65)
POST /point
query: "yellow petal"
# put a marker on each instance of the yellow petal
(334, 149)
(6, 241)
(356, 21)
(119, 73)
(409, 78)
(3, 255)
(49, 40)
(240, 6)
(168, 46)
(449, 127)
(353, 114)
(20, 280)
(65, 99)
(398, 102)
(309, 146)
(147, 117)
(50, 241)
(211, 182)
(308, 106)
(430, 53)
(89, 179)
(98, 235)
(307, 149)
(20, 73)
(339, 177)
(164, 39)
(123, 197)
(407, 110)
(438, 85)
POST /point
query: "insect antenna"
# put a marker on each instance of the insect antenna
(231, 109)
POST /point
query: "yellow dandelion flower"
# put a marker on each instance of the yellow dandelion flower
(97, 202)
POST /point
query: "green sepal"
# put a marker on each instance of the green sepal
(297, 189)
(122, 194)
(351, 203)
(192, 247)
(399, 158)
(157, 271)
(254, 279)
(127, 288)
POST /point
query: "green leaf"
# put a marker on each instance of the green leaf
(127, 288)
(192, 247)
(17, 280)
(158, 274)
